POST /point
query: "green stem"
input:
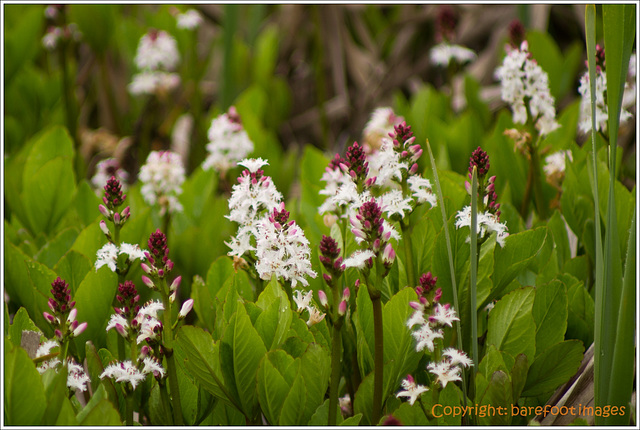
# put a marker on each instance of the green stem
(129, 406)
(378, 363)
(121, 350)
(537, 183)
(423, 409)
(336, 355)
(168, 351)
(408, 250)
(474, 257)
(166, 403)
(64, 350)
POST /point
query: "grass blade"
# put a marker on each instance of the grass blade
(601, 386)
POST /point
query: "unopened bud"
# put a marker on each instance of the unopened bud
(72, 315)
(186, 308)
(80, 329)
(342, 308)
(323, 298)
(346, 293)
(327, 277)
(104, 211)
(148, 282)
(388, 255)
(175, 284)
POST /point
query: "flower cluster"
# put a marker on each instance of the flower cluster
(488, 215)
(303, 302)
(373, 232)
(330, 259)
(77, 378)
(524, 84)
(162, 177)
(228, 142)
(57, 30)
(156, 56)
(554, 166)
(63, 316)
(126, 371)
(381, 123)
(282, 249)
(252, 199)
(602, 111)
(106, 169)
(189, 20)
(411, 389)
(449, 368)
(446, 52)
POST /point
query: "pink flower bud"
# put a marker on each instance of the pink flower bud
(376, 245)
(357, 284)
(145, 268)
(172, 297)
(436, 298)
(58, 334)
(388, 255)
(169, 265)
(323, 298)
(145, 350)
(126, 213)
(414, 169)
(346, 293)
(148, 282)
(104, 228)
(104, 211)
(79, 329)
(161, 273)
(342, 308)
(116, 217)
(328, 278)
(186, 308)
(49, 317)
(415, 305)
(175, 284)
(52, 305)
(72, 315)
(414, 148)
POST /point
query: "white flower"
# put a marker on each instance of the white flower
(335, 178)
(253, 164)
(385, 164)
(76, 377)
(444, 53)
(601, 107)
(149, 329)
(151, 309)
(162, 177)
(457, 357)
(283, 252)
(50, 40)
(359, 258)
(157, 50)
(189, 20)
(443, 315)
(105, 169)
(241, 243)
(152, 366)
(445, 372)
(124, 372)
(421, 189)
(133, 251)
(555, 163)
(120, 323)
(411, 389)
(303, 301)
(521, 78)
(394, 203)
(486, 223)
(425, 336)
(108, 255)
(314, 316)
(153, 82)
(228, 144)
(381, 123)
(45, 349)
(345, 404)
(416, 318)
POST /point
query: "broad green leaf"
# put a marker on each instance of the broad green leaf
(18, 284)
(73, 267)
(440, 260)
(266, 55)
(321, 416)
(553, 368)
(498, 395)
(550, 312)
(196, 190)
(89, 241)
(21, 40)
(46, 204)
(56, 391)
(293, 408)
(99, 411)
(275, 300)
(315, 368)
(21, 322)
(581, 311)
(517, 253)
(96, 367)
(519, 375)
(363, 402)
(158, 415)
(450, 396)
(558, 230)
(202, 360)
(352, 421)
(491, 362)
(242, 349)
(52, 144)
(86, 203)
(410, 415)
(24, 398)
(272, 387)
(511, 326)
(53, 250)
(93, 301)
(225, 415)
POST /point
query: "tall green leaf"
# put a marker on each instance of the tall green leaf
(550, 313)
(553, 367)
(24, 399)
(511, 327)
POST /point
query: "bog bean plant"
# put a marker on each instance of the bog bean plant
(178, 265)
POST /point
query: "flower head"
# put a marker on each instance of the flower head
(445, 372)
(162, 177)
(302, 301)
(76, 377)
(190, 20)
(106, 169)
(444, 53)
(411, 389)
(157, 50)
(228, 142)
(124, 371)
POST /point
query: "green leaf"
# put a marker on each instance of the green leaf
(53, 250)
(241, 350)
(196, 190)
(293, 408)
(519, 375)
(93, 301)
(273, 300)
(491, 362)
(86, 203)
(515, 256)
(498, 395)
(450, 396)
(99, 411)
(321, 415)
(89, 241)
(410, 415)
(202, 360)
(511, 326)
(352, 421)
(73, 267)
(559, 232)
(58, 405)
(363, 402)
(22, 39)
(272, 386)
(45, 205)
(96, 367)
(553, 368)
(24, 398)
(315, 368)
(550, 312)
(97, 22)
(21, 322)
(363, 321)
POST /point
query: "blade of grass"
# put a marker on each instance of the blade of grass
(623, 353)
(601, 387)
(451, 265)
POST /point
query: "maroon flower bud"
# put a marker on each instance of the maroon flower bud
(113, 196)
(446, 23)
(516, 33)
(357, 163)
(335, 162)
(480, 159)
